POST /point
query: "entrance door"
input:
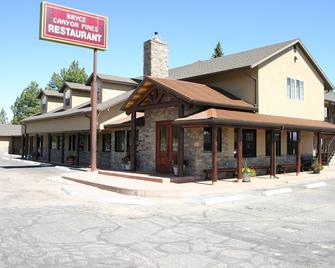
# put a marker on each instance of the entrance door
(166, 146)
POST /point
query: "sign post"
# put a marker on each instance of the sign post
(75, 27)
(94, 114)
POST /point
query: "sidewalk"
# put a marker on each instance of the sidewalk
(192, 189)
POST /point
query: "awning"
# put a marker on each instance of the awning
(246, 119)
(124, 121)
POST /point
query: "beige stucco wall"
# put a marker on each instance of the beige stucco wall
(79, 97)
(230, 142)
(272, 87)
(283, 142)
(58, 125)
(235, 82)
(109, 115)
(4, 144)
(307, 142)
(111, 90)
(54, 103)
(260, 142)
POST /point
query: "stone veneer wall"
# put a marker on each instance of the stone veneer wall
(146, 147)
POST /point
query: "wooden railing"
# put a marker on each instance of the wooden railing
(330, 149)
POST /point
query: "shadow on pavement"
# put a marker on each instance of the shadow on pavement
(26, 166)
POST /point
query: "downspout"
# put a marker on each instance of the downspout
(255, 88)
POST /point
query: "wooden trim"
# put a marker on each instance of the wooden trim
(77, 149)
(273, 155)
(62, 148)
(214, 154)
(180, 143)
(22, 145)
(156, 106)
(239, 153)
(298, 153)
(49, 146)
(133, 141)
(319, 148)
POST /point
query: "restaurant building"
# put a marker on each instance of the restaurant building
(262, 107)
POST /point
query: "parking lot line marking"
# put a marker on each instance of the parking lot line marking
(221, 199)
(277, 191)
(316, 185)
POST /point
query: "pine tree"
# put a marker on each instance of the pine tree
(71, 74)
(217, 51)
(27, 104)
(3, 117)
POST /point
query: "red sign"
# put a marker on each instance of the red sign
(71, 26)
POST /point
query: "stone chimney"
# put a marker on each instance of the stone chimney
(155, 58)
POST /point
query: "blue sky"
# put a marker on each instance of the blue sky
(191, 28)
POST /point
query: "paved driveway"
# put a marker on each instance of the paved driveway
(48, 222)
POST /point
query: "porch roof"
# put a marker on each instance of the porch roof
(190, 92)
(124, 121)
(247, 119)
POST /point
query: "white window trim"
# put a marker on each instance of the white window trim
(295, 89)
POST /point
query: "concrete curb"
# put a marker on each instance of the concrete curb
(277, 191)
(315, 185)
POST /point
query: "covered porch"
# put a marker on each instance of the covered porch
(240, 121)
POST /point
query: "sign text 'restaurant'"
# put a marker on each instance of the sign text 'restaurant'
(66, 25)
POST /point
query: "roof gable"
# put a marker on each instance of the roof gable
(246, 59)
(193, 93)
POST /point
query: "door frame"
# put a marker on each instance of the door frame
(168, 124)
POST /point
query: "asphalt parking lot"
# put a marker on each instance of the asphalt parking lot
(46, 221)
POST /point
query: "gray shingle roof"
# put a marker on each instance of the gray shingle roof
(83, 108)
(233, 61)
(113, 78)
(51, 93)
(330, 96)
(75, 86)
(246, 59)
(10, 130)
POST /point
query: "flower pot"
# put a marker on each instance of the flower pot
(246, 178)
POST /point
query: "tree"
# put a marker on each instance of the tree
(3, 117)
(71, 74)
(27, 104)
(217, 51)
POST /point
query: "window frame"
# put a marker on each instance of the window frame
(207, 145)
(119, 141)
(291, 142)
(268, 143)
(105, 138)
(295, 89)
(245, 153)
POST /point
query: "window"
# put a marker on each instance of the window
(106, 143)
(72, 143)
(53, 143)
(44, 103)
(120, 140)
(249, 143)
(88, 142)
(295, 89)
(40, 145)
(326, 113)
(208, 139)
(81, 142)
(59, 142)
(67, 98)
(292, 139)
(268, 143)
